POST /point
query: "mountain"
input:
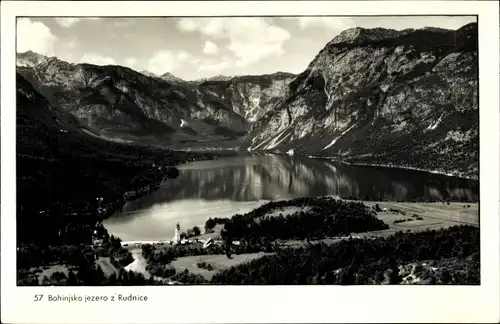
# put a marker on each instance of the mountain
(149, 74)
(171, 78)
(407, 98)
(359, 35)
(370, 96)
(38, 122)
(214, 78)
(250, 96)
(118, 103)
(30, 59)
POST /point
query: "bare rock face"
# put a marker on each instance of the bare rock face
(371, 96)
(249, 96)
(378, 96)
(119, 101)
(30, 59)
(358, 35)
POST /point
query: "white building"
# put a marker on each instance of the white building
(177, 235)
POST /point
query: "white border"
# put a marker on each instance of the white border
(294, 304)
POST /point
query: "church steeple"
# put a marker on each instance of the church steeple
(177, 236)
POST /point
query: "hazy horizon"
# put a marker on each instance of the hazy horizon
(195, 48)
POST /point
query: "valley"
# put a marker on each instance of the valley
(106, 153)
(367, 97)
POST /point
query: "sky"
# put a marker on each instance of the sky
(193, 48)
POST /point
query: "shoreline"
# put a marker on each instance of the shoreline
(331, 158)
(391, 166)
(461, 176)
(399, 217)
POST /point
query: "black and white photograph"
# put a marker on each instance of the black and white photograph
(247, 150)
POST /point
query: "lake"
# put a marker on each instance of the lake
(233, 185)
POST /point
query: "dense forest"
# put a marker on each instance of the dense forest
(318, 218)
(92, 275)
(446, 256)
(68, 181)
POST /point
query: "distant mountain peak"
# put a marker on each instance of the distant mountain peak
(167, 76)
(149, 74)
(214, 78)
(30, 59)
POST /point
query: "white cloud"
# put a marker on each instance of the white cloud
(168, 61)
(335, 23)
(164, 61)
(34, 36)
(131, 62)
(68, 22)
(216, 68)
(187, 24)
(183, 56)
(249, 39)
(97, 59)
(194, 60)
(210, 48)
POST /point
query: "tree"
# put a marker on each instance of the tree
(445, 277)
(45, 281)
(57, 277)
(196, 231)
(379, 276)
(394, 277)
(330, 278)
(72, 280)
(112, 280)
(99, 275)
(347, 277)
(131, 276)
(209, 225)
(147, 249)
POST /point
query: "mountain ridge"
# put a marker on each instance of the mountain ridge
(364, 102)
(367, 96)
(116, 101)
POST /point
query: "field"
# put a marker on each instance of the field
(46, 272)
(435, 215)
(398, 216)
(218, 262)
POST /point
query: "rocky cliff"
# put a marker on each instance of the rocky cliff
(407, 98)
(117, 102)
(249, 96)
(371, 96)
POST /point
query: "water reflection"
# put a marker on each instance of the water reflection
(234, 185)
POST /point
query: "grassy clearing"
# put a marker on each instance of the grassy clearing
(47, 271)
(435, 216)
(218, 262)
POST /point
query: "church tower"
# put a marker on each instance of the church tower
(177, 236)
